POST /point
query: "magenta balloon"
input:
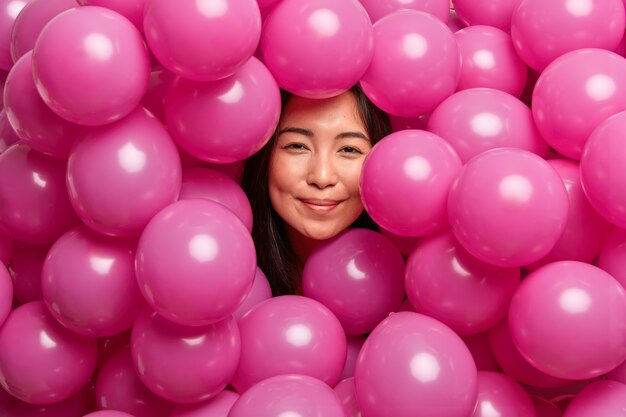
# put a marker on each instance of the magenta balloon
(508, 207)
(496, 13)
(202, 41)
(120, 175)
(154, 99)
(317, 48)
(226, 120)
(218, 187)
(612, 257)
(346, 392)
(470, 296)
(108, 346)
(377, 9)
(186, 266)
(358, 275)
(543, 31)
(618, 374)
(478, 345)
(498, 394)
(479, 119)
(6, 247)
(184, 364)
(488, 59)
(600, 398)
(404, 244)
(405, 182)
(557, 320)
(286, 395)
(30, 22)
(9, 10)
(289, 334)
(74, 406)
(7, 135)
(416, 64)
(119, 388)
(25, 267)
(601, 169)
(108, 413)
(33, 121)
(42, 362)
(404, 123)
(218, 406)
(575, 93)
(6, 293)
(544, 408)
(454, 22)
(34, 206)
(412, 365)
(233, 169)
(91, 49)
(260, 291)
(354, 343)
(130, 9)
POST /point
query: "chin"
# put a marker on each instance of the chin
(323, 234)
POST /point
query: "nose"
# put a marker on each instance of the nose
(321, 171)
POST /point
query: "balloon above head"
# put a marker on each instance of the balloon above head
(317, 48)
(377, 9)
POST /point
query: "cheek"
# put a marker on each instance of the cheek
(351, 175)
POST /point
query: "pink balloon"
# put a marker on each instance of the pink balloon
(416, 64)
(108, 346)
(317, 48)
(377, 9)
(284, 395)
(184, 364)
(618, 374)
(544, 408)
(233, 169)
(404, 244)
(42, 362)
(354, 343)
(600, 398)
(33, 121)
(6, 247)
(612, 257)
(498, 394)
(558, 320)
(346, 392)
(120, 175)
(488, 59)
(508, 207)
(202, 41)
(496, 13)
(130, 9)
(96, 50)
(7, 135)
(260, 291)
(9, 10)
(470, 296)
(289, 334)
(476, 120)
(575, 93)
(119, 388)
(405, 182)
(358, 275)
(34, 206)
(31, 20)
(3, 77)
(218, 187)
(412, 365)
(195, 262)
(25, 267)
(601, 169)
(543, 31)
(454, 22)
(6, 293)
(479, 347)
(154, 99)
(218, 406)
(226, 120)
(108, 413)
(74, 406)
(404, 123)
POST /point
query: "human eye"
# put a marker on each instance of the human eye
(295, 146)
(353, 150)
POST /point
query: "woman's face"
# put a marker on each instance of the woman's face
(315, 165)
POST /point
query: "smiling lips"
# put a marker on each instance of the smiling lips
(320, 206)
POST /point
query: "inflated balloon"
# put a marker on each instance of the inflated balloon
(478, 345)
(95, 50)
(488, 59)
(226, 120)
(130, 9)
(618, 374)
(7, 135)
(233, 169)
(219, 187)
(6, 247)
(195, 262)
(454, 22)
(260, 291)
(498, 394)
(184, 364)
(33, 121)
(479, 119)
(404, 244)
(74, 406)
(403, 123)
(108, 413)
(354, 343)
(108, 346)
(6, 293)
(120, 175)
(218, 406)
(154, 99)
(612, 257)
(405, 182)
(508, 207)
(377, 9)
(543, 31)
(496, 13)
(289, 334)
(358, 275)
(317, 48)
(569, 304)
(600, 398)
(202, 41)
(544, 408)
(575, 93)
(34, 206)
(10, 9)
(25, 266)
(42, 362)
(285, 395)
(412, 365)
(346, 392)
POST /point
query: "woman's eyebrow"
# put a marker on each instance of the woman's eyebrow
(358, 135)
(297, 130)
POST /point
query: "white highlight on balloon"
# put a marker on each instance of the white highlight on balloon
(354, 271)
(194, 341)
(579, 8)
(299, 335)
(486, 124)
(488, 410)
(414, 45)
(417, 168)
(131, 159)
(203, 248)
(290, 414)
(325, 22)
(212, 8)
(484, 59)
(575, 300)
(98, 46)
(516, 188)
(233, 95)
(458, 268)
(600, 87)
(39, 180)
(101, 265)
(425, 367)
(14, 8)
(46, 341)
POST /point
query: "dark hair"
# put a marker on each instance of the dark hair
(275, 256)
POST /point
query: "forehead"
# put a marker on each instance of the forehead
(338, 111)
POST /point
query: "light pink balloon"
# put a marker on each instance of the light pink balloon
(358, 275)
(543, 31)
(496, 13)
(42, 362)
(612, 257)
(287, 335)
(218, 406)
(377, 9)
(260, 291)
(454, 22)
(405, 182)
(488, 59)
(6, 247)
(354, 343)
(184, 364)
(120, 175)
(508, 207)
(478, 345)
(416, 64)
(498, 394)
(25, 267)
(7, 135)
(9, 10)
(575, 93)
(346, 392)
(6, 293)
(558, 320)
(226, 120)
(130, 9)
(95, 50)
(34, 206)
(600, 398)
(544, 408)
(475, 120)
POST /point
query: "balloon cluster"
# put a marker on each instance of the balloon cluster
(129, 284)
